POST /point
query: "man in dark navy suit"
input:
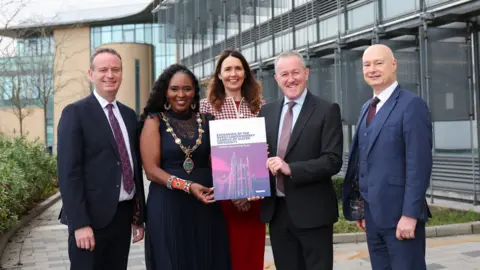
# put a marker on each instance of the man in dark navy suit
(389, 168)
(99, 172)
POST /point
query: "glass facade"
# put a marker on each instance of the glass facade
(262, 29)
(437, 62)
(148, 33)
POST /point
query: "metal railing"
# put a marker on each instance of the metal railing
(453, 177)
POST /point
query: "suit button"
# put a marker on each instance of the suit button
(118, 186)
(363, 161)
(118, 163)
(365, 134)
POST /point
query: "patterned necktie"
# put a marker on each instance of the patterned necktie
(284, 139)
(127, 173)
(372, 110)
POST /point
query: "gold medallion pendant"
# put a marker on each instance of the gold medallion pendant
(188, 164)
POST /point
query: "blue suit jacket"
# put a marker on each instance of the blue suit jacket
(89, 171)
(399, 161)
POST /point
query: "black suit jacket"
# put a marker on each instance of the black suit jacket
(314, 154)
(89, 170)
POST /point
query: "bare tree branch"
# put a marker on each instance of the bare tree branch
(16, 93)
(13, 89)
(9, 10)
(30, 59)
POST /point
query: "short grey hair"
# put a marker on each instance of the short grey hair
(103, 50)
(290, 54)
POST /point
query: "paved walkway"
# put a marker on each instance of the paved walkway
(43, 245)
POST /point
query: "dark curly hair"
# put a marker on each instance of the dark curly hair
(251, 89)
(158, 95)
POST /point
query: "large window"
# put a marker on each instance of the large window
(26, 87)
(361, 16)
(27, 75)
(35, 46)
(306, 33)
(6, 88)
(395, 8)
(282, 7)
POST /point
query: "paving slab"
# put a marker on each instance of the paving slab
(42, 244)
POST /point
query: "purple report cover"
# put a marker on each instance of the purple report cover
(239, 171)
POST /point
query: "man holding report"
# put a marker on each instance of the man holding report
(304, 134)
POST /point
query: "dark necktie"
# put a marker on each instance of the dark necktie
(284, 139)
(372, 110)
(127, 173)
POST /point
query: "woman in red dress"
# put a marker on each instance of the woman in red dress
(234, 92)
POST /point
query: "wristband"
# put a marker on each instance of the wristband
(174, 182)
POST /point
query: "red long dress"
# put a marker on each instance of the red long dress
(246, 234)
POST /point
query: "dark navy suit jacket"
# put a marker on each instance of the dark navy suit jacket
(89, 171)
(399, 161)
(314, 154)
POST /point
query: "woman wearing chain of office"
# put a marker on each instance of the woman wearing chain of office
(186, 227)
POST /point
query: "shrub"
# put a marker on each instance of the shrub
(27, 175)
(337, 185)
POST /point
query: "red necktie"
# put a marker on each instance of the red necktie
(127, 172)
(372, 110)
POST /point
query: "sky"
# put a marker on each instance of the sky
(50, 8)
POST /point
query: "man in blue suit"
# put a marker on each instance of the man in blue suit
(389, 168)
(99, 172)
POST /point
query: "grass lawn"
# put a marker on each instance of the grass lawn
(440, 216)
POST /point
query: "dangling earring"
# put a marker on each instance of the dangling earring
(167, 106)
(193, 106)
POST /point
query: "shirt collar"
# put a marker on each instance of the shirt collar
(103, 102)
(299, 100)
(231, 98)
(385, 94)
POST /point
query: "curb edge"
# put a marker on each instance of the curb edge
(431, 232)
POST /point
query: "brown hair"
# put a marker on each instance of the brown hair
(103, 50)
(251, 89)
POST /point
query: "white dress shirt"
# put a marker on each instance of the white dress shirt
(103, 102)
(385, 94)
(296, 112)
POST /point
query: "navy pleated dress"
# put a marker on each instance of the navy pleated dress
(184, 233)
